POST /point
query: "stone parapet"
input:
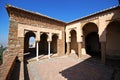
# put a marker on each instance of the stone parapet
(6, 67)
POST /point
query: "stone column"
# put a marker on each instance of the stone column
(68, 48)
(103, 52)
(79, 50)
(37, 44)
(49, 41)
(49, 49)
(37, 50)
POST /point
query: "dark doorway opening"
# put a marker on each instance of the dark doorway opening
(91, 40)
(54, 42)
(73, 44)
(29, 45)
(43, 44)
(92, 44)
(112, 40)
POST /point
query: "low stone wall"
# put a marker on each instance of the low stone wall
(7, 67)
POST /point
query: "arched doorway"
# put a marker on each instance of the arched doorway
(54, 43)
(43, 44)
(91, 39)
(113, 40)
(29, 44)
(73, 44)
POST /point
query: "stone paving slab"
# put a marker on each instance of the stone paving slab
(67, 68)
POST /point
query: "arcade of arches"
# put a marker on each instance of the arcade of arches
(96, 35)
(43, 47)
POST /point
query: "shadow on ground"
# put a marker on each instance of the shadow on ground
(15, 74)
(26, 74)
(115, 65)
(27, 57)
(89, 69)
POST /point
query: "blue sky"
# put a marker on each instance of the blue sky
(65, 10)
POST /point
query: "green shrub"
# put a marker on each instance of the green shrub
(1, 53)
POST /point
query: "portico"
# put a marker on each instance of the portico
(89, 35)
(46, 39)
(96, 35)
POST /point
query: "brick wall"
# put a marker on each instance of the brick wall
(16, 44)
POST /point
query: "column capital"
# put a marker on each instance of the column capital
(49, 37)
(79, 42)
(37, 40)
(49, 40)
(68, 42)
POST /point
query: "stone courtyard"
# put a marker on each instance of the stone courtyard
(68, 68)
(95, 35)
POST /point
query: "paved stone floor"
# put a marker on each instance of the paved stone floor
(68, 68)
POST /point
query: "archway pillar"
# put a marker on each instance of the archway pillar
(37, 50)
(49, 42)
(49, 49)
(103, 46)
(103, 52)
(68, 40)
(79, 41)
(37, 35)
(37, 45)
(102, 38)
(79, 49)
(68, 48)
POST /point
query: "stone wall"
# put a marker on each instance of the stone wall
(15, 44)
(18, 16)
